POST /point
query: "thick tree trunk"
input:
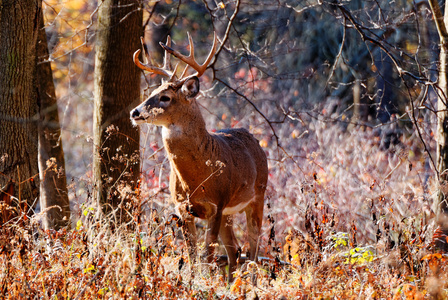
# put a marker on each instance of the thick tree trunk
(18, 99)
(53, 184)
(117, 87)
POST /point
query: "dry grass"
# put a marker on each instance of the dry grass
(345, 218)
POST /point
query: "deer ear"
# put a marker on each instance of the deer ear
(190, 88)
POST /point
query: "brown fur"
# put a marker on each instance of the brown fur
(213, 175)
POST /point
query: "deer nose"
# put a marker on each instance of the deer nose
(135, 113)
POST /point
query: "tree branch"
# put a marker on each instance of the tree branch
(439, 20)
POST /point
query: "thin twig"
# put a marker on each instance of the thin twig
(226, 34)
(338, 56)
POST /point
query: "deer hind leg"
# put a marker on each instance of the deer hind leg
(254, 217)
(230, 243)
(189, 232)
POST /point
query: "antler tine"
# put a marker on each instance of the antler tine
(190, 60)
(148, 67)
(211, 54)
(184, 72)
(146, 57)
(172, 77)
(167, 57)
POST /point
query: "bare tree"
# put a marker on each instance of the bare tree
(441, 21)
(53, 184)
(18, 99)
(117, 86)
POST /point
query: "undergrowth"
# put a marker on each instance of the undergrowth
(346, 217)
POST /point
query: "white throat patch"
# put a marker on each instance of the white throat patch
(171, 131)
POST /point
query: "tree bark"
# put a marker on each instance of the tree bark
(117, 88)
(53, 185)
(441, 21)
(18, 99)
(442, 122)
(442, 129)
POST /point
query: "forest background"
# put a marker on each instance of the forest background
(343, 97)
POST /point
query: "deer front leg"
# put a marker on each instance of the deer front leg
(211, 239)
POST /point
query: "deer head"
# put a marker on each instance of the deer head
(172, 98)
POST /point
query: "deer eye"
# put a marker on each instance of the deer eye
(164, 99)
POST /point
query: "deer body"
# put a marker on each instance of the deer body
(213, 175)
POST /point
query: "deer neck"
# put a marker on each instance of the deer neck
(180, 137)
(186, 143)
(187, 129)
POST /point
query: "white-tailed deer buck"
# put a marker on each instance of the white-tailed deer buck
(213, 175)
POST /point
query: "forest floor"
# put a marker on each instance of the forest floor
(90, 262)
(346, 217)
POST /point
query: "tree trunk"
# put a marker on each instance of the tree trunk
(442, 129)
(442, 121)
(117, 88)
(53, 184)
(441, 21)
(361, 107)
(18, 99)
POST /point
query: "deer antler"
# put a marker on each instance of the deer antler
(165, 70)
(190, 60)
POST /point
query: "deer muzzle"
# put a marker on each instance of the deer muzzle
(136, 117)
